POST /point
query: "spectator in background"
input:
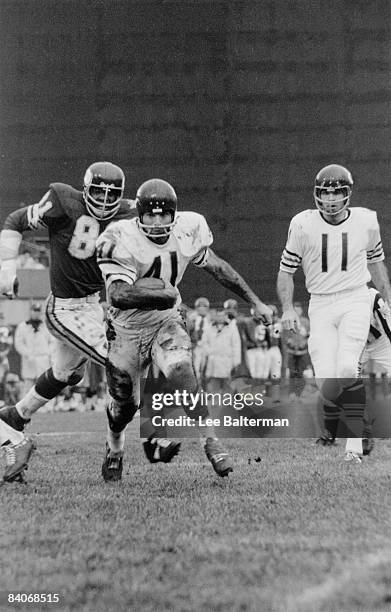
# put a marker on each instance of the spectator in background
(258, 357)
(275, 354)
(12, 389)
(26, 261)
(297, 345)
(33, 343)
(199, 323)
(222, 347)
(245, 327)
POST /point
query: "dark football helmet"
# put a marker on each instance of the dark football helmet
(156, 196)
(103, 189)
(337, 180)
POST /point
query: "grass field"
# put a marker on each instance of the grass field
(298, 530)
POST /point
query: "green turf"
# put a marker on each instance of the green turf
(299, 530)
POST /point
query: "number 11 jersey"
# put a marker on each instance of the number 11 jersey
(333, 257)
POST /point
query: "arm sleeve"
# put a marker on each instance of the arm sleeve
(293, 251)
(35, 216)
(204, 240)
(375, 251)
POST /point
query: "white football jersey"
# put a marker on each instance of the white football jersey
(125, 253)
(333, 257)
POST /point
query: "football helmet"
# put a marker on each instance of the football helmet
(337, 180)
(103, 188)
(156, 196)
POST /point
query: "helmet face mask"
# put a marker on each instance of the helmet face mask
(337, 181)
(156, 197)
(103, 189)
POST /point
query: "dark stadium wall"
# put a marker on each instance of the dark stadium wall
(237, 103)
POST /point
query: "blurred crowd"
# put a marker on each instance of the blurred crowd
(231, 350)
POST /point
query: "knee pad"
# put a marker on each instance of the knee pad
(119, 414)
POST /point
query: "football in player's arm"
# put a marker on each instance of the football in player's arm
(74, 219)
(160, 243)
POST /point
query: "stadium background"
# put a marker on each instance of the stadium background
(237, 103)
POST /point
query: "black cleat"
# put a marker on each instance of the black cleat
(160, 450)
(368, 444)
(11, 416)
(17, 457)
(112, 465)
(325, 440)
(219, 458)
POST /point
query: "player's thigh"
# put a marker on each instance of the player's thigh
(352, 336)
(80, 325)
(171, 347)
(380, 355)
(323, 341)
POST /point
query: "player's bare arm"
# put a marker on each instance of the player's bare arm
(285, 289)
(126, 297)
(227, 276)
(381, 280)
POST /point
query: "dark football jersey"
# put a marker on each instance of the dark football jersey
(74, 271)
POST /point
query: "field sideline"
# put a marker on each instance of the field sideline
(294, 529)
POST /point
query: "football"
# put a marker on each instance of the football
(150, 283)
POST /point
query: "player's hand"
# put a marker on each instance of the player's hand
(290, 320)
(8, 282)
(262, 313)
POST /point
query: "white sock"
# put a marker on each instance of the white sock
(10, 434)
(116, 441)
(354, 445)
(30, 403)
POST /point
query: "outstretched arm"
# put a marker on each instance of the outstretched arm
(227, 276)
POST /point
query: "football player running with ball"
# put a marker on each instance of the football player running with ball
(74, 317)
(144, 324)
(340, 250)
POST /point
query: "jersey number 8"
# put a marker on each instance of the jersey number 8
(83, 241)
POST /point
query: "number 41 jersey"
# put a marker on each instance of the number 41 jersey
(333, 257)
(74, 271)
(125, 253)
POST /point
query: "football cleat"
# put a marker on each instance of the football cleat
(17, 457)
(352, 457)
(112, 465)
(368, 445)
(11, 416)
(219, 458)
(325, 440)
(160, 450)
